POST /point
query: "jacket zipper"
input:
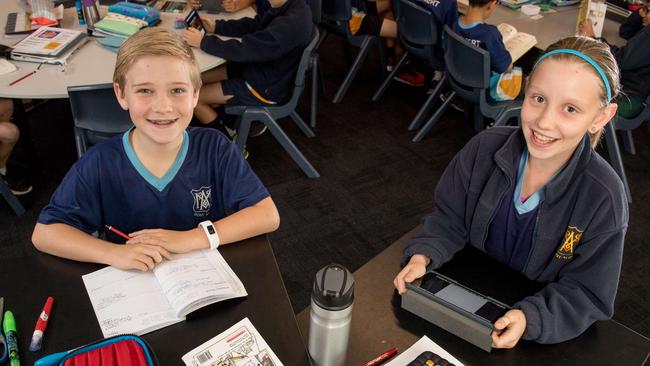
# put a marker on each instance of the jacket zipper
(534, 239)
(494, 212)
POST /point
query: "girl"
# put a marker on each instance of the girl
(539, 199)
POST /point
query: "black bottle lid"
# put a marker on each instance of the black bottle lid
(333, 287)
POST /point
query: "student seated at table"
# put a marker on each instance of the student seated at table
(633, 60)
(9, 135)
(505, 81)
(539, 199)
(261, 67)
(172, 189)
(635, 22)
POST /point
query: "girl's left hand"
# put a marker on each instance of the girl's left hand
(508, 329)
(192, 37)
(173, 241)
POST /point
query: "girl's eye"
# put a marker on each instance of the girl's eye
(570, 109)
(538, 99)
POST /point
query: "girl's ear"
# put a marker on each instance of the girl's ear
(603, 117)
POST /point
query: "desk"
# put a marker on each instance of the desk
(378, 324)
(553, 26)
(93, 64)
(26, 282)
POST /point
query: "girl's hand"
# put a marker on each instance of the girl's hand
(416, 268)
(192, 37)
(171, 240)
(196, 4)
(230, 6)
(508, 329)
(586, 28)
(208, 23)
(137, 256)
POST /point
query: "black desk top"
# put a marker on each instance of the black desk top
(25, 284)
(378, 323)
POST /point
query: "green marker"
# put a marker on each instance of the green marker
(9, 327)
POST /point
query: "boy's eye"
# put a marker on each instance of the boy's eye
(178, 91)
(144, 91)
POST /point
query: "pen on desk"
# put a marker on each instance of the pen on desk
(22, 78)
(110, 228)
(41, 324)
(381, 358)
(9, 328)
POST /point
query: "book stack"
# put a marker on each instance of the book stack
(48, 45)
(516, 4)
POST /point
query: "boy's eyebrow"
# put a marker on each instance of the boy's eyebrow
(146, 83)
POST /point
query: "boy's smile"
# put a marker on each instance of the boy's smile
(160, 98)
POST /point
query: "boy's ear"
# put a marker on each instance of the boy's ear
(120, 97)
(604, 117)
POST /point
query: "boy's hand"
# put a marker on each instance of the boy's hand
(196, 4)
(230, 5)
(586, 28)
(508, 329)
(171, 240)
(140, 256)
(192, 37)
(416, 268)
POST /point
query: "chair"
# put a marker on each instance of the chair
(97, 115)
(269, 114)
(11, 199)
(336, 16)
(417, 29)
(626, 125)
(468, 74)
(313, 66)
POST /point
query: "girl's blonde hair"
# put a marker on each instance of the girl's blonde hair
(154, 42)
(597, 51)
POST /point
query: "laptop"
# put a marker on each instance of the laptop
(212, 6)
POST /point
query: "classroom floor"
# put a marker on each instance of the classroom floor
(375, 183)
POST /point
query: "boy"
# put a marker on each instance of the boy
(486, 36)
(262, 66)
(9, 134)
(635, 22)
(156, 175)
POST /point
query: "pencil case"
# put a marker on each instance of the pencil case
(122, 350)
(146, 13)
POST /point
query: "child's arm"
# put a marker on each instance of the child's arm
(66, 241)
(257, 219)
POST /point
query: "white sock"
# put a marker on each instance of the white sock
(3, 170)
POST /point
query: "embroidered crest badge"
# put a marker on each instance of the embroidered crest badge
(202, 201)
(571, 239)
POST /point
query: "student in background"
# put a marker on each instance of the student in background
(539, 199)
(633, 60)
(173, 189)
(472, 27)
(262, 66)
(232, 6)
(635, 22)
(9, 135)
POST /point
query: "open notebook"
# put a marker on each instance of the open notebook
(138, 302)
(517, 43)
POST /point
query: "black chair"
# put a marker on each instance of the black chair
(336, 16)
(269, 114)
(417, 29)
(314, 60)
(11, 199)
(468, 74)
(97, 115)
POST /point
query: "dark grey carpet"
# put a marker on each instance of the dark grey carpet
(375, 183)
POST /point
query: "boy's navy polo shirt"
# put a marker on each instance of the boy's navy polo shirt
(488, 38)
(445, 11)
(109, 186)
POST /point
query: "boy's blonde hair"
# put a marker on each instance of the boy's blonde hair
(600, 53)
(154, 42)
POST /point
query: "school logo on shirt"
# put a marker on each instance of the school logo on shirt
(571, 239)
(202, 201)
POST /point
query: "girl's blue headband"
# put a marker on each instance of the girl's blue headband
(587, 59)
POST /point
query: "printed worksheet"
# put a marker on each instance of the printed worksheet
(240, 345)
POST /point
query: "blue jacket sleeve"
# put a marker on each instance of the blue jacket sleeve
(636, 53)
(632, 25)
(237, 27)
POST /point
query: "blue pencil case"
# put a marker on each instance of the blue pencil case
(146, 13)
(122, 350)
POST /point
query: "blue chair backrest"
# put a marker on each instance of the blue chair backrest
(315, 6)
(335, 16)
(418, 30)
(467, 64)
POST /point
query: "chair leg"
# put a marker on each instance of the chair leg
(383, 58)
(363, 52)
(243, 128)
(615, 157)
(479, 124)
(11, 199)
(315, 76)
(427, 105)
(382, 89)
(301, 124)
(434, 119)
(289, 146)
(80, 141)
(628, 142)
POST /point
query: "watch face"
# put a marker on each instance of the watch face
(210, 229)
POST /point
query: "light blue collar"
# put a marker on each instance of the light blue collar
(158, 183)
(469, 26)
(535, 199)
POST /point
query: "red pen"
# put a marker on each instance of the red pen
(381, 358)
(109, 227)
(41, 324)
(22, 78)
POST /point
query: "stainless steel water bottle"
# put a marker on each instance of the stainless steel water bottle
(331, 314)
(91, 15)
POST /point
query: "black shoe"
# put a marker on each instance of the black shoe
(18, 186)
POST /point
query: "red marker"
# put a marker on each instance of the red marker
(381, 358)
(41, 324)
(109, 227)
